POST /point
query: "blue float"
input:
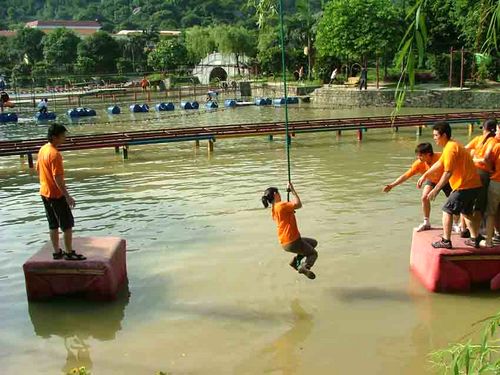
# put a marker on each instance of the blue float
(229, 103)
(8, 117)
(138, 108)
(161, 107)
(261, 101)
(211, 105)
(292, 100)
(279, 101)
(81, 112)
(186, 105)
(114, 110)
(44, 116)
(195, 105)
(269, 101)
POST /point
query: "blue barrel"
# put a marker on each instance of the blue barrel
(135, 108)
(186, 105)
(269, 101)
(279, 101)
(160, 107)
(90, 112)
(292, 100)
(260, 101)
(195, 105)
(39, 116)
(229, 103)
(114, 110)
(169, 106)
(73, 113)
(8, 117)
(145, 108)
(211, 105)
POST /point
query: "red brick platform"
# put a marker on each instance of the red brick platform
(99, 277)
(456, 270)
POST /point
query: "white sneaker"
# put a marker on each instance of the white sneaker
(483, 243)
(423, 226)
(456, 228)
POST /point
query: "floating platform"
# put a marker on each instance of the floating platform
(455, 270)
(139, 108)
(244, 104)
(8, 117)
(45, 116)
(230, 103)
(81, 112)
(99, 277)
(165, 107)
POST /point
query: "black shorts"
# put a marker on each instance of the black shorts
(58, 213)
(446, 189)
(461, 202)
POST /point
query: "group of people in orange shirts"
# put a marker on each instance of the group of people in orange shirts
(470, 178)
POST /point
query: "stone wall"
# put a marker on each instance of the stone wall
(352, 98)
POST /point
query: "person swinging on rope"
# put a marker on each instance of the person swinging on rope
(283, 214)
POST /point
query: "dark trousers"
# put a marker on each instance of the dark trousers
(304, 247)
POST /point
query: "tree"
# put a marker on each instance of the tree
(61, 47)
(102, 49)
(169, 54)
(200, 42)
(28, 43)
(357, 29)
(236, 40)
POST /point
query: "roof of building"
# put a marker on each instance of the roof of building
(64, 23)
(162, 32)
(7, 33)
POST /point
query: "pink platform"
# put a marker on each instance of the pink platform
(455, 270)
(99, 277)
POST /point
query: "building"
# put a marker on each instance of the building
(163, 33)
(7, 33)
(81, 28)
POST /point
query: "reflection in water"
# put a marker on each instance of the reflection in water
(283, 355)
(77, 321)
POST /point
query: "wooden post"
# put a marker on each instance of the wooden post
(125, 152)
(135, 95)
(149, 95)
(210, 146)
(270, 137)
(450, 77)
(339, 133)
(419, 131)
(360, 134)
(289, 140)
(30, 161)
(117, 150)
(396, 129)
(79, 101)
(462, 63)
(471, 129)
(197, 143)
(378, 74)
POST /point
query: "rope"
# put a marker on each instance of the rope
(283, 67)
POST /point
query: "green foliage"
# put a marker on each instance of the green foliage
(28, 43)
(85, 65)
(235, 39)
(356, 29)
(60, 46)
(102, 49)
(470, 358)
(168, 55)
(119, 14)
(200, 42)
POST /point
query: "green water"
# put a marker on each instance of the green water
(210, 289)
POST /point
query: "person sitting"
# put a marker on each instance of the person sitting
(43, 106)
(426, 157)
(5, 101)
(460, 172)
(283, 214)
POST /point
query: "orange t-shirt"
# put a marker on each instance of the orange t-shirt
(480, 149)
(457, 160)
(284, 215)
(495, 159)
(49, 164)
(144, 83)
(420, 167)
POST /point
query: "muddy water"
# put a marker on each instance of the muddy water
(210, 290)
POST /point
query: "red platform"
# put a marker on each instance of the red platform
(99, 277)
(455, 270)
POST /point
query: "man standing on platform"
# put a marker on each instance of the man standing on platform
(460, 172)
(56, 199)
